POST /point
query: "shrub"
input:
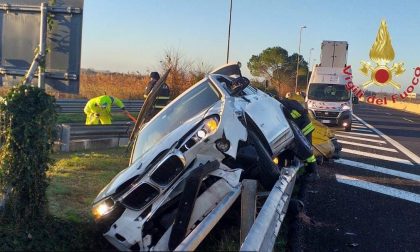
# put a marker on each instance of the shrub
(29, 128)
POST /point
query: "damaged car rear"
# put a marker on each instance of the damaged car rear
(188, 162)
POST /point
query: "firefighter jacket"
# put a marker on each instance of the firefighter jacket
(298, 114)
(163, 96)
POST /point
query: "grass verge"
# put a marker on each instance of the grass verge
(75, 180)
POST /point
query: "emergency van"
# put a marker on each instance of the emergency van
(326, 96)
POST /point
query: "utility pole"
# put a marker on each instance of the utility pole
(228, 42)
(297, 63)
(309, 66)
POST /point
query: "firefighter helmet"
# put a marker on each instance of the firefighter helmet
(155, 75)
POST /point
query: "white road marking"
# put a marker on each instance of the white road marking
(397, 193)
(388, 113)
(360, 138)
(363, 130)
(368, 146)
(397, 145)
(407, 119)
(360, 134)
(377, 156)
(375, 168)
(357, 126)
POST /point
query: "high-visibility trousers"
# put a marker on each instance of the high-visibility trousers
(103, 118)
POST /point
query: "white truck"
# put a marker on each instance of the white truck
(326, 95)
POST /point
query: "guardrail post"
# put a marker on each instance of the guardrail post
(248, 206)
(65, 138)
(264, 231)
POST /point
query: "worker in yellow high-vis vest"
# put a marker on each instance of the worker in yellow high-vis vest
(98, 109)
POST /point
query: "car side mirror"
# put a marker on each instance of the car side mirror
(355, 100)
(238, 85)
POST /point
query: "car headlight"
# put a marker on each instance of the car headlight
(103, 207)
(345, 107)
(201, 133)
(209, 127)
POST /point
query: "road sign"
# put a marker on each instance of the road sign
(21, 35)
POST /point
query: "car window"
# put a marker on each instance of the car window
(189, 105)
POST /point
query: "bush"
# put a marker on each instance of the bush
(29, 128)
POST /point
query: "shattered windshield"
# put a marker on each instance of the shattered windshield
(328, 92)
(189, 105)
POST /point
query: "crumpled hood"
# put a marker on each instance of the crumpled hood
(138, 167)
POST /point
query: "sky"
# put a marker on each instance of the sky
(133, 35)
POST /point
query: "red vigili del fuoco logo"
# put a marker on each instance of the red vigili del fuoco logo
(381, 74)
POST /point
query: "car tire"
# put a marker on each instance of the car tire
(268, 172)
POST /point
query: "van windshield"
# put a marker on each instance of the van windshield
(328, 92)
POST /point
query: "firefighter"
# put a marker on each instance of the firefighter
(98, 109)
(298, 114)
(162, 98)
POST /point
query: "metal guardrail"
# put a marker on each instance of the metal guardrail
(77, 105)
(191, 242)
(264, 231)
(81, 131)
(71, 133)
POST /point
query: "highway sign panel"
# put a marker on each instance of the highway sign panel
(20, 38)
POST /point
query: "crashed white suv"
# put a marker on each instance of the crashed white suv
(189, 160)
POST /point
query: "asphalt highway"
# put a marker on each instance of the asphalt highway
(369, 199)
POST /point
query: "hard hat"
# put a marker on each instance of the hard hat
(155, 75)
